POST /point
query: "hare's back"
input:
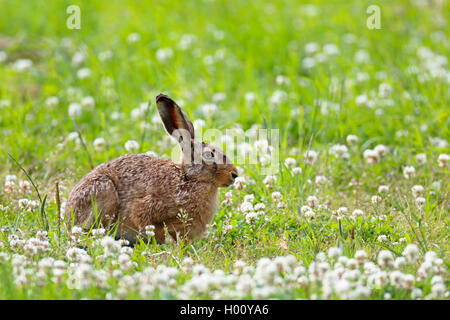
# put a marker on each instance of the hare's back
(141, 173)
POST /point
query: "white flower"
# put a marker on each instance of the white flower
(250, 97)
(376, 199)
(334, 252)
(384, 90)
(246, 207)
(308, 63)
(330, 49)
(133, 37)
(371, 156)
(131, 145)
(381, 150)
(340, 151)
(22, 64)
(99, 143)
(88, 102)
(209, 109)
(382, 238)
(84, 73)
(311, 47)
(278, 97)
(310, 156)
(276, 196)
(420, 202)
(383, 189)
(290, 162)
(219, 96)
(281, 80)
(417, 190)
(312, 201)
(51, 102)
(443, 160)
(361, 100)
(385, 258)
(249, 198)
(409, 172)
(321, 179)
(297, 170)
(358, 213)
(421, 158)
(75, 110)
(251, 217)
(342, 211)
(164, 54)
(411, 253)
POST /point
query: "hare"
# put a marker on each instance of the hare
(137, 190)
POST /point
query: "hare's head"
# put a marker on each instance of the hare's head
(200, 161)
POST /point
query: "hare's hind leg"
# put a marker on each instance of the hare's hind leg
(94, 201)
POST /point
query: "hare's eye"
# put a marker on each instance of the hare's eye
(208, 155)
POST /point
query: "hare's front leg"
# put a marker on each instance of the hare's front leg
(98, 191)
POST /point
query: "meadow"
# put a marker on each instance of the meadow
(355, 206)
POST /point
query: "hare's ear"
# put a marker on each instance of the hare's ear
(173, 118)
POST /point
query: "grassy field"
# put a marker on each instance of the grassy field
(356, 208)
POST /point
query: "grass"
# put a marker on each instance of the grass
(239, 47)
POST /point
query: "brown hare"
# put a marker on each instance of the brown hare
(137, 190)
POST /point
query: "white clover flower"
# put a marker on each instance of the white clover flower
(382, 238)
(131, 145)
(312, 201)
(411, 253)
(358, 213)
(330, 49)
(310, 156)
(297, 170)
(360, 256)
(383, 189)
(219, 97)
(88, 102)
(443, 160)
(164, 54)
(84, 73)
(320, 180)
(416, 293)
(21, 65)
(251, 217)
(99, 143)
(334, 252)
(3, 56)
(290, 162)
(361, 100)
(278, 97)
(342, 211)
(133, 37)
(340, 151)
(308, 63)
(385, 258)
(421, 158)
(282, 80)
(371, 156)
(376, 199)
(249, 198)
(246, 207)
(312, 47)
(75, 110)
(250, 98)
(384, 90)
(276, 196)
(209, 109)
(51, 101)
(409, 172)
(420, 202)
(260, 207)
(417, 190)
(381, 150)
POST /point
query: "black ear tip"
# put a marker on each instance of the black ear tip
(162, 96)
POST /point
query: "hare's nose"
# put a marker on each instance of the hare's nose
(234, 175)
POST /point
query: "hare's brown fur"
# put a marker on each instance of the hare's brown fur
(137, 190)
